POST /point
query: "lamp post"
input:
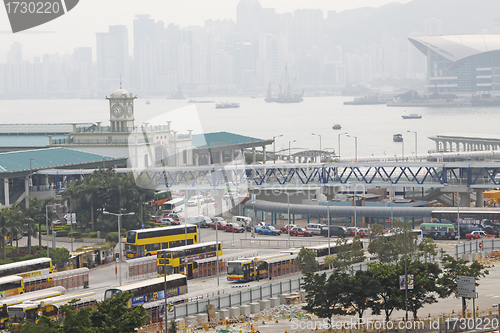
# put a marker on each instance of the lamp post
(339, 143)
(458, 215)
(289, 148)
(288, 205)
(30, 182)
(416, 152)
(274, 146)
(320, 151)
(120, 240)
(355, 146)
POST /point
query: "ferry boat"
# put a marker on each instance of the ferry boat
(227, 105)
(412, 116)
(336, 127)
(397, 137)
(195, 101)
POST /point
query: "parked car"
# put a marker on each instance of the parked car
(221, 225)
(155, 219)
(315, 228)
(169, 221)
(200, 220)
(176, 216)
(363, 232)
(353, 231)
(298, 231)
(478, 234)
(195, 200)
(209, 199)
(268, 230)
(285, 228)
(335, 231)
(234, 227)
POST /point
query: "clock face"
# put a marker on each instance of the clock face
(129, 110)
(117, 110)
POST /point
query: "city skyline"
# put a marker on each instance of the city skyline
(75, 29)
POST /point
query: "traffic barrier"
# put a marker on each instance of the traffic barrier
(240, 286)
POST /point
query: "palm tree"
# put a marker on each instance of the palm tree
(4, 230)
(35, 213)
(14, 225)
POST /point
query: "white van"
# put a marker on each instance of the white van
(195, 200)
(242, 220)
(199, 220)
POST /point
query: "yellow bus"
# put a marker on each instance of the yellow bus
(11, 286)
(32, 310)
(151, 290)
(248, 269)
(27, 268)
(146, 242)
(182, 259)
(9, 301)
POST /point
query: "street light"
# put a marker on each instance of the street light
(274, 146)
(320, 151)
(30, 182)
(355, 146)
(119, 239)
(288, 204)
(47, 227)
(339, 143)
(289, 148)
(416, 153)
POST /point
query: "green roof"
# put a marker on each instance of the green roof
(19, 161)
(211, 140)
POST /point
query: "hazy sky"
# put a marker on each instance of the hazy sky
(78, 27)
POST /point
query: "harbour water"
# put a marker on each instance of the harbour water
(373, 125)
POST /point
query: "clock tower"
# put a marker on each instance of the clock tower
(121, 111)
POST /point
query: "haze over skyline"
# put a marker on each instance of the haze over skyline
(77, 28)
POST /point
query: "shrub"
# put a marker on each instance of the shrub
(88, 231)
(77, 234)
(92, 234)
(62, 233)
(112, 237)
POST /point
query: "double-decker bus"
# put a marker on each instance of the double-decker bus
(27, 268)
(11, 286)
(147, 242)
(36, 295)
(173, 206)
(151, 290)
(183, 259)
(160, 198)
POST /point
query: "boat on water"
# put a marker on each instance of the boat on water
(366, 100)
(397, 138)
(227, 105)
(147, 102)
(285, 94)
(336, 127)
(195, 101)
(412, 116)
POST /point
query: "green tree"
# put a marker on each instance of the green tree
(389, 295)
(59, 255)
(4, 230)
(425, 290)
(361, 291)
(454, 267)
(14, 225)
(348, 253)
(113, 315)
(306, 261)
(325, 297)
(44, 325)
(393, 248)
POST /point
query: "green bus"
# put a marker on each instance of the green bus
(439, 230)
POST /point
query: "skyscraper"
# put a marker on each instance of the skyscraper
(112, 58)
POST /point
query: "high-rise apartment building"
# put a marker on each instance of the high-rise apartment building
(112, 58)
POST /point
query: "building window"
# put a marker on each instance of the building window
(146, 161)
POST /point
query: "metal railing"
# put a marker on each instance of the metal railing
(478, 245)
